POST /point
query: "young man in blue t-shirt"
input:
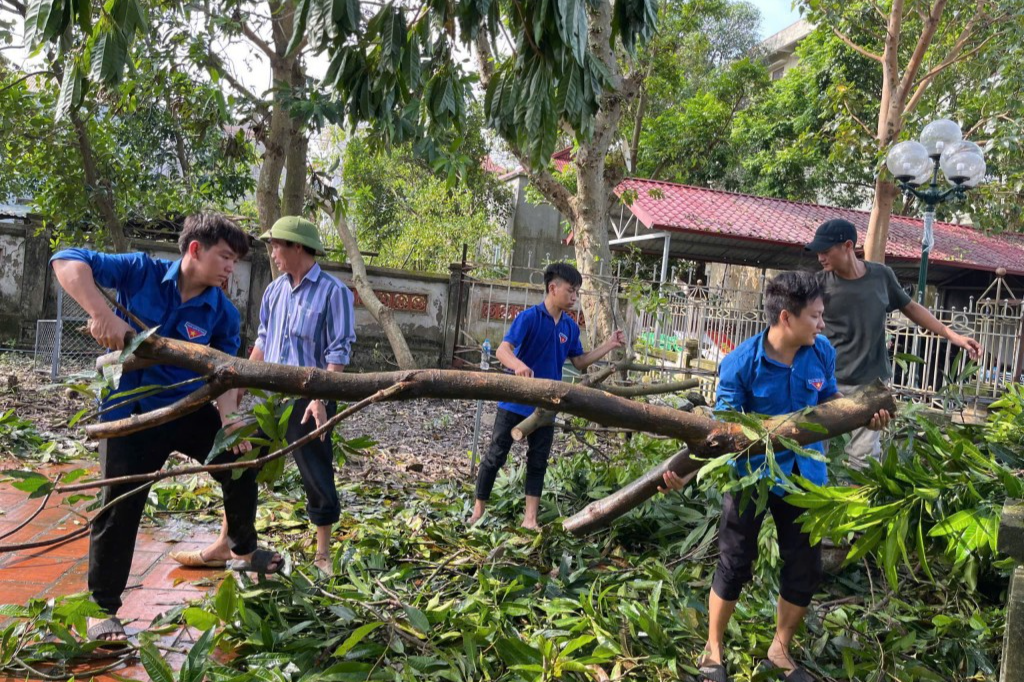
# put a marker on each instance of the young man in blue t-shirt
(785, 368)
(184, 298)
(537, 345)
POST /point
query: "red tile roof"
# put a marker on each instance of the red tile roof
(491, 166)
(681, 208)
(562, 159)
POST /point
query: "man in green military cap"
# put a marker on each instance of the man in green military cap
(307, 319)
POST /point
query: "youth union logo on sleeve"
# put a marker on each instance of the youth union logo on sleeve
(562, 337)
(193, 331)
(816, 383)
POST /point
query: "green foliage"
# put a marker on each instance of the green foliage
(702, 68)
(18, 436)
(934, 500)
(411, 217)
(157, 141)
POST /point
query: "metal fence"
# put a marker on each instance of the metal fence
(63, 346)
(995, 320)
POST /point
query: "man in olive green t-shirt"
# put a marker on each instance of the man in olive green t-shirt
(858, 297)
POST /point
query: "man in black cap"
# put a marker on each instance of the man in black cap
(858, 296)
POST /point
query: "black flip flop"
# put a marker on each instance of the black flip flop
(110, 626)
(260, 562)
(797, 674)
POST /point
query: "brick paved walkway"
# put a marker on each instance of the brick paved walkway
(157, 582)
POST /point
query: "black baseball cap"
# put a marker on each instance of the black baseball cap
(831, 233)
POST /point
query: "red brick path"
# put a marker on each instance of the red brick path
(157, 582)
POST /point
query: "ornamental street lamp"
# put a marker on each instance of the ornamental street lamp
(916, 167)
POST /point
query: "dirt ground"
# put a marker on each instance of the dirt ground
(422, 439)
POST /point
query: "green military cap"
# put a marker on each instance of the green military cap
(295, 229)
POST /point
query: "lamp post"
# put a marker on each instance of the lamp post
(916, 167)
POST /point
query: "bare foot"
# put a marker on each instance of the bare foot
(322, 561)
(531, 524)
(478, 511)
(779, 656)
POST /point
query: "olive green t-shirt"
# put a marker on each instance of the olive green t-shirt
(855, 312)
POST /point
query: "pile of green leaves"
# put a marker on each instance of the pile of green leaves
(417, 595)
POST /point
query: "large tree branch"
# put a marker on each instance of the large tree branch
(924, 41)
(225, 71)
(256, 40)
(954, 57)
(705, 437)
(857, 48)
(554, 191)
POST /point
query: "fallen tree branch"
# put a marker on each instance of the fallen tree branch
(652, 389)
(705, 437)
(600, 513)
(384, 394)
(541, 417)
(145, 480)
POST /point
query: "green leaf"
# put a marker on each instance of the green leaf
(70, 93)
(156, 667)
(417, 619)
(195, 665)
(109, 53)
(516, 652)
(200, 619)
(299, 31)
(226, 600)
(357, 636)
(31, 482)
(138, 339)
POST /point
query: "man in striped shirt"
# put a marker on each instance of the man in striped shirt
(307, 319)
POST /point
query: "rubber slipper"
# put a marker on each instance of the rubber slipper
(194, 559)
(259, 562)
(797, 674)
(712, 672)
(110, 626)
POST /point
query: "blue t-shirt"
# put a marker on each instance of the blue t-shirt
(543, 345)
(750, 381)
(148, 287)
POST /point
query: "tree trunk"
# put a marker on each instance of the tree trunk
(384, 316)
(294, 199)
(296, 161)
(705, 437)
(100, 193)
(878, 223)
(275, 145)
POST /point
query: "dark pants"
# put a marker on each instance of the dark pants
(112, 539)
(501, 442)
(316, 465)
(737, 549)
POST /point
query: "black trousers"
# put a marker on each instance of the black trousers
(497, 454)
(737, 550)
(316, 465)
(112, 539)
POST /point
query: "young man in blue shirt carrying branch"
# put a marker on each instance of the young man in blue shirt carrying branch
(537, 345)
(185, 301)
(785, 368)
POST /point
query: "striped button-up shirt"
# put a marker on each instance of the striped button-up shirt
(309, 325)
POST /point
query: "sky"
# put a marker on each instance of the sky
(775, 15)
